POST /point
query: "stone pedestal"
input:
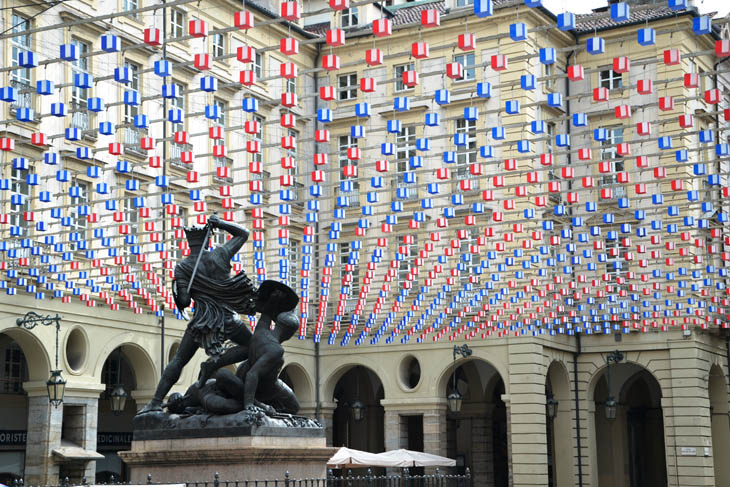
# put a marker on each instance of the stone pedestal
(247, 451)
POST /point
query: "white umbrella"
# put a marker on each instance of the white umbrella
(349, 458)
(409, 458)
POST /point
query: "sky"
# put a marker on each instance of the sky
(585, 6)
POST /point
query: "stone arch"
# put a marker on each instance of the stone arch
(334, 377)
(719, 423)
(444, 376)
(301, 383)
(559, 437)
(600, 369)
(145, 371)
(629, 449)
(38, 368)
(360, 428)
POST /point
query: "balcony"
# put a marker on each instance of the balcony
(25, 100)
(412, 193)
(462, 173)
(223, 162)
(176, 151)
(353, 196)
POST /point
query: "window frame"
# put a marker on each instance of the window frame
(608, 78)
(469, 73)
(177, 29)
(349, 90)
(398, 70)
(218, 45)
(350, 18)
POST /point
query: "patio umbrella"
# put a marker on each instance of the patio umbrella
(349, 458)
(410, 458)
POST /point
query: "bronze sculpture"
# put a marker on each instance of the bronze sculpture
(205, 278)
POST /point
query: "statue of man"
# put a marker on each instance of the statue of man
(260, 373)
(219, 297)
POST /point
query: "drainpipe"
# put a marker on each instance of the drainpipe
(317, 398)
(577, 409)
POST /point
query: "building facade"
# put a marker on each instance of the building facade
(510, 177)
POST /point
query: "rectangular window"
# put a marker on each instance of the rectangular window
(258, 65)
(466, 60)
(20, 187)
(177, 23)
(131, 111)
(405, 147)
(349, 17)
(404, 266)
(466, 154)
(259, 156)
(219, 45)
(464, 3)
(550, 133)
(221, 121)
(290, 85)
(347, 258)
(13, 370)
(614, 136)
(79, 96)
(79, 224)
(345, 143)
(347, 86)
(293, 269)
(399, 70)
(608, 78)
(547, 72)
(20, 78)
(131, 6)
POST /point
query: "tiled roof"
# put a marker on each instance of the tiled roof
(600, 19)
(318, 29)
(409, 15)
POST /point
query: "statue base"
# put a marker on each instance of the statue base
(241, 446)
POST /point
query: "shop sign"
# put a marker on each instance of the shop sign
(13, 437)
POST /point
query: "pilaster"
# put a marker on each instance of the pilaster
(44, 434)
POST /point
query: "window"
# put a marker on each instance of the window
(19, 186)
(466, 60)
(346, 142)
(132, 218)
(399, 70)
(348, 266)
(177, 253)
(20, 78)
(349, 17)
(258, 65)
(608, 151)
(290, 85)
(404, 266)
(110, 372)
(292, 276)
(131, 111)
(14, 372)
(177, 23)
(79, 224)
(547, 72)
(79, 96)
(221, 121)
(347, 85)
(614, 254)
(608, 78)
(550, 133)
(405, 147)
(219, 45)
(608, 147)
(464, 3)
(466, 154)
(130, 6)
(259, 156)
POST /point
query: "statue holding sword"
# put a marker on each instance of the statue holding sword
(205, 277)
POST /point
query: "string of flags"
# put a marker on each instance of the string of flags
(385, 235)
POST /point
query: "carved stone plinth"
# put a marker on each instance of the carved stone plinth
(238, 446)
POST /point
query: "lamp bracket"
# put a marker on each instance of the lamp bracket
(615, 357)
(32, 319)
(462, 350)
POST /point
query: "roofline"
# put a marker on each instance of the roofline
(286, 23)
(692, 11)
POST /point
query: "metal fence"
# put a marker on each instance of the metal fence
(334, 479)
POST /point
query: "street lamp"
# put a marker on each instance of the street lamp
(454, 399)
(552, 407)
(119, 396)
(55, 384)
(357, 407)
(610, 404)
